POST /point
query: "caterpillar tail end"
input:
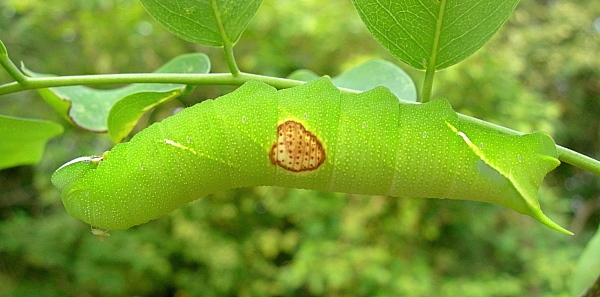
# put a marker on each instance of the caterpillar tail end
(542, 218)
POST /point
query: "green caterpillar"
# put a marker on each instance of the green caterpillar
(311, 136)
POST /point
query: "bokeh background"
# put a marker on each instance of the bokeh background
(541, 72)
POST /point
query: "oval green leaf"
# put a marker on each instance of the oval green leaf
(126, 112)
(368, 75)
(377, 72)
(88, 108)
(23, 140)
(305, 75)
(429, 32)
(206, 22)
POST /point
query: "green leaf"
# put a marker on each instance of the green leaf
(588, 266)
(375, 73)
(428, 32)
(368, 75)
(207, 22)
(305, 75)
(88, 108)
(23, 140)
(126, 112)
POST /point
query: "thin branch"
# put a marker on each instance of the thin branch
(109, 79)
(578, 160)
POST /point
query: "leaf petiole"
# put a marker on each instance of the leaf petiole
(432, 64)
(10, 67)
(227, 44)
(230, 58)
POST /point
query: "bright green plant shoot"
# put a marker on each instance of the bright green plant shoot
(311, 136)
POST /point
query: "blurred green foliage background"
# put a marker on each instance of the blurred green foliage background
(541, 72)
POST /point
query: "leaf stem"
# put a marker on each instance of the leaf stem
(431, 66)
(427, 84)
(12, 70)
(230, 58)
(227, 44)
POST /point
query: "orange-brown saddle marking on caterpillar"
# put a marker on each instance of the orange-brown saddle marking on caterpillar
(296, 148)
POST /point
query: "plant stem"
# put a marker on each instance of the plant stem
(108, 79)
(230, 58)
(427, 85)
(578, 160)
(227, 43)
(431, 66)
(12, 69)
